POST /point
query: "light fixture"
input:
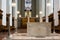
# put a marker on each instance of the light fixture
(48, 4)
(18, 12)
(40, 12)
(20, 15)
(37, 16)
(13, 4)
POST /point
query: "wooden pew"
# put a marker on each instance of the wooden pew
(1, 20)
(44, 19)
(59, 17)
(51, 19)
(5, 28)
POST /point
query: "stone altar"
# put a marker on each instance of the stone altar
(38, 29)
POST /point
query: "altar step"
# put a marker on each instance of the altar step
(23, 36)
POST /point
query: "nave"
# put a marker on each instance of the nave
(30, 19)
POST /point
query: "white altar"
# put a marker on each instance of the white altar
(38, 29)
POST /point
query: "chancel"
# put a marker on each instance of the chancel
(29, 19)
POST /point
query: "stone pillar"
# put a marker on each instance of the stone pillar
(55, 10)
(9, 9)
(47, 10)
(43, 8)
(37, 7)
(15, 19)
(40, 10)
(4, 12)
(10, 12)
(51, 7)
(19, 5)
(33, 14)
(22, 8)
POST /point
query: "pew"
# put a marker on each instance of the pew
(5, 28)
(51, 19)
(1, 20)
(57, 28)
(44, 19)
(59, 17)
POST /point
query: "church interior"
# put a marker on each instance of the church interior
(29, 19)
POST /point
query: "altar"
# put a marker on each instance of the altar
(38, 29)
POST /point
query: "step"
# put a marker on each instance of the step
(23, 36)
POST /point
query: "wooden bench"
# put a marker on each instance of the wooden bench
(51, 19)
(1, 20)
(44, 19)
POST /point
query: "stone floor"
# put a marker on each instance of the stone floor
(5, 34)
(23, 36)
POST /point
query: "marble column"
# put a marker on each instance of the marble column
(40, 10)
(37, 7)
(15, 16)
(4, 12)
(9, 10)
(22, 8)
(19, 5)
(40, 5)
(43, 8)
(56, 8)
(51, 7)
(33, 14)
(47, 10)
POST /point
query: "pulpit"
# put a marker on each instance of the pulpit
(1, 19)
